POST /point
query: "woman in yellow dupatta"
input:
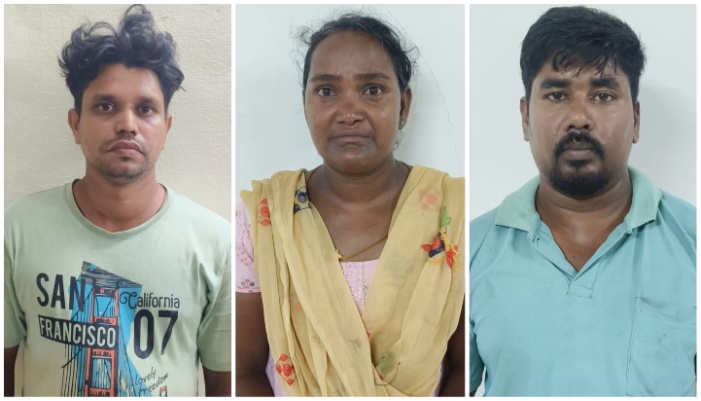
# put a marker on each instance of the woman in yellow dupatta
(360, 205)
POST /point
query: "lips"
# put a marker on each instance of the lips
(579, 144)
(125, 146)
(351, 134)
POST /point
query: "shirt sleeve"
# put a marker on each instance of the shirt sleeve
(214, 333)
(476, 364)
(15, 323)
(246, 278)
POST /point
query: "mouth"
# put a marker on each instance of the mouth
(125, 146)
(351, 136)
(579, 146)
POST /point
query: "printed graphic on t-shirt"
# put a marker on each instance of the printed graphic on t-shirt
(103, 308)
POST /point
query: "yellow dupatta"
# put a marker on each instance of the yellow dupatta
(320, 344)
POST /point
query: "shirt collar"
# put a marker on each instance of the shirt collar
(518, 209)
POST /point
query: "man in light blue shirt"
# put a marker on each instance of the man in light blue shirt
(583, 282)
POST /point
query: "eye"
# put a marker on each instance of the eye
(146, 109)
(373, 90)
(603, 97)
(324, 91)
(556, 96)
(104, 107)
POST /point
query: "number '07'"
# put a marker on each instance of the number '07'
(138, 320)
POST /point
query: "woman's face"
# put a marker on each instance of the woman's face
(352, 102)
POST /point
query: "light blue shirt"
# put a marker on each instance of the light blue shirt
(625, 324)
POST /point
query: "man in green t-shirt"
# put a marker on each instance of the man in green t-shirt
(114, 284)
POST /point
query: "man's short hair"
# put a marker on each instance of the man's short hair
(583, 37)
(136, 43)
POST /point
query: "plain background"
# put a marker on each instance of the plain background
(271, 131)
(40, 153)
(501, 161)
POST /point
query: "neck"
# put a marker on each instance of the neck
(606, 208)
(117, 207)
(359, 188)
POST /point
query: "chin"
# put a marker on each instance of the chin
(580, 182)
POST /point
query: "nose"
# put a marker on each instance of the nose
(349, 110)
(579, 116)
(126, 122)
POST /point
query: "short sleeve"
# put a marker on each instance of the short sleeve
(476, 364)
(15, 324)
(246, 278)
(214, 333)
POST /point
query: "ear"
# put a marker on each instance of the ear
(304, 104)
(73, 121)
(405, 104)
(523, 105)
(636, 122)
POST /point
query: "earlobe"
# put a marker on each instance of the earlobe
(73, 122)
(523, 107)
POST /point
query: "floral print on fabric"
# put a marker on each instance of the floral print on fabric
(286, 369)
(264, 212)
(301, 200)
(441, 243)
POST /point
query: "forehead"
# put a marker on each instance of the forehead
(577, 74)
(350, 52)
(120, 80)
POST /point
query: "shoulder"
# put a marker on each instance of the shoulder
(194, 212)
(679, 211)
(38, 205)
(194, 217)
(479, 228)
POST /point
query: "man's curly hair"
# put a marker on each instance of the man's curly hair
(136, 43)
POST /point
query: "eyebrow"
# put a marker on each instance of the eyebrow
(550, 83)
(602, 82)
(605, 82)
(112, 98)
(369, 76)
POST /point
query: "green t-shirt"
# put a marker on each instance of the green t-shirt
(116, 314)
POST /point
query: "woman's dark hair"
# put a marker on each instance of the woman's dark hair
(584, 37)
(391, 42)
(135, 44)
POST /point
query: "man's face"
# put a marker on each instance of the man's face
(122, 124)
(581, 125)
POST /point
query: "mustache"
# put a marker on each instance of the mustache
(125, 137)
(579, 137)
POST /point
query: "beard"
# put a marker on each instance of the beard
(127, 170)
(576, 178)
(121, 174)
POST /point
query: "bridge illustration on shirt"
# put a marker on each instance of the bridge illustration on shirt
(100, 366)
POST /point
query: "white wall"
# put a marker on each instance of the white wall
(271, 132)
(501, 161)
(39, 149)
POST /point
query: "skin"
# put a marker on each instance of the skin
(9, 376)
(353, 105)
(122, 107)
(601, 104)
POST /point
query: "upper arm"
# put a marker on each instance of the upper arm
(217, 384)
(10, 359)
(456, 345)
(251, 339)
(476, 363)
